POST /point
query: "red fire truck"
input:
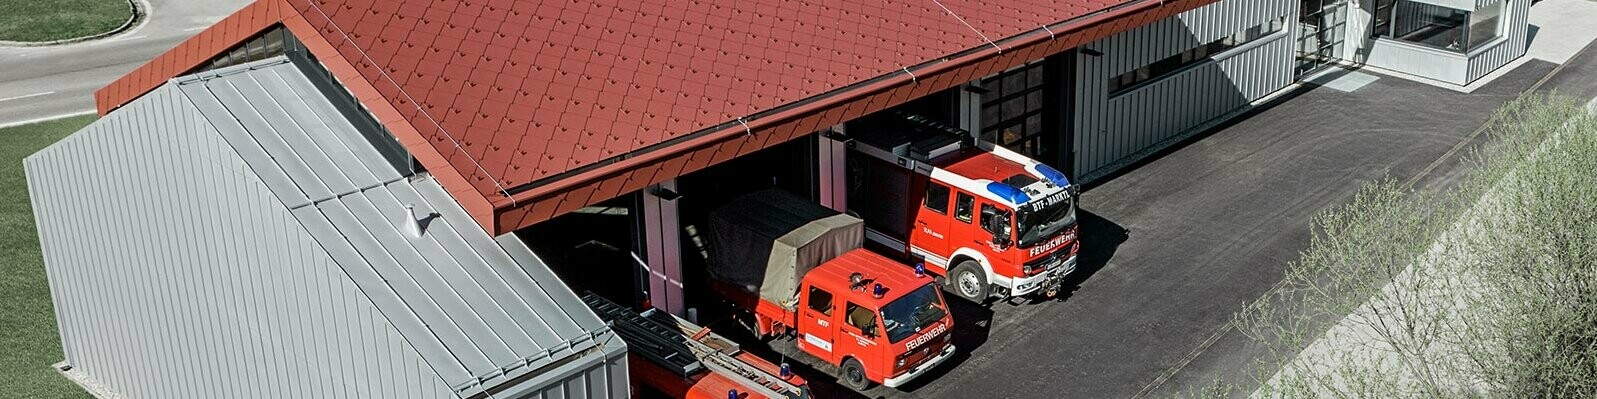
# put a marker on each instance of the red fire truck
(679, 359)
(798, 269)
(991, 221)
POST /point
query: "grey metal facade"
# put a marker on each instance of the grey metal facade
(1111, 130)
(234, 235)
(1442, 65)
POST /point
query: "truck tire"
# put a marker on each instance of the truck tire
(967, 281)
(852, 374)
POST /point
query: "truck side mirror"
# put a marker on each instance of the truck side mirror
(869, 331)
(1002, 241)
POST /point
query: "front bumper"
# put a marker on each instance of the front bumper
(901, 379)
(1050, 279)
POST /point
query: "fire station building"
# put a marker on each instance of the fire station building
(399, 198)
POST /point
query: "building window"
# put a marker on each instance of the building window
(270, 43)
(1485, 24)
(1012, 109)
(1169, 65)
(1436, 26)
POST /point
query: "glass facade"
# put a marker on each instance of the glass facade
(1321, 27)
(1436, 26)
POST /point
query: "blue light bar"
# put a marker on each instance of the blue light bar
(1008, 192)
(1053, 175)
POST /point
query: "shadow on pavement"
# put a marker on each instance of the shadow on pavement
(1100, 239)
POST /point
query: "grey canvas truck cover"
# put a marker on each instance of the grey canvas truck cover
(767, 240)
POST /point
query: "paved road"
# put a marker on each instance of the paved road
(1179, 243)
(43, 82)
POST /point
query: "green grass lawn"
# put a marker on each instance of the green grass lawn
(29, 342)
(46, 20)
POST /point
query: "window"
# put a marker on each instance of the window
(1012, 109)
(963, 204)
(821, 301)
(269, 43)
(1382, 26)
(861, 318)
(1436, 26)
(937, 198)
(1322, 28)
(994, 220)
(1485, 24)
(1169, 65)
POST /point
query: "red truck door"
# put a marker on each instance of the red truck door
(930, 236)
(964, 226)
(996, 231)
(817, 325)
(860, 328)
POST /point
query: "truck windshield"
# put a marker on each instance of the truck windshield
(1046, 217)
(907, 315)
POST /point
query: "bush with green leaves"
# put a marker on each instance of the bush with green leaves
(1485, 290)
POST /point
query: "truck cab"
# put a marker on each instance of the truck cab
(799, 270)
(990, 220)
(875, 321)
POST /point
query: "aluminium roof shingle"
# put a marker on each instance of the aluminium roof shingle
(479, 311)
(531, 90)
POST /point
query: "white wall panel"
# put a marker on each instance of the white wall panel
(177, 273)
(1113, 130)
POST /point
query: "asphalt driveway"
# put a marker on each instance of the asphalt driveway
(1177, 244)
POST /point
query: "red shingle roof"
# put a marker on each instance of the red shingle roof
(537, 108)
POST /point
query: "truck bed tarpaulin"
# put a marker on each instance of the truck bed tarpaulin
(766, 241)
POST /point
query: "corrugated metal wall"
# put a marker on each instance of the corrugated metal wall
(1418, 60)
(176, 273)
(1517, 13)
(1111, 131)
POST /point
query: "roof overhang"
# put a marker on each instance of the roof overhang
(701, 149)
(512, 208)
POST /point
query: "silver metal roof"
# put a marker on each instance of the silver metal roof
(481, 311)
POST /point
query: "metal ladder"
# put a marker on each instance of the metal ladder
(679, 346)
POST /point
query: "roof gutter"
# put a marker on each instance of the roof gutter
(789, 112)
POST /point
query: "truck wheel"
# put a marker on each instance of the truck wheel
(967, 281)
(852, 375)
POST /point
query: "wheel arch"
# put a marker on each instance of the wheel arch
(964, 253)
(866, 370)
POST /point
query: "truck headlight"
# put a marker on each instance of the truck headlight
(1032, 268)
